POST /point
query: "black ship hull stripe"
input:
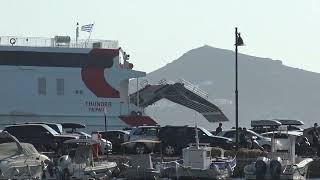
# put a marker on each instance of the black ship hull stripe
(52, 59)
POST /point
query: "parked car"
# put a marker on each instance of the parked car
(263, 141)
(55, 126)
(66, 128)
(116, 137)
(43, 137)
(175, 138)
(142, 133)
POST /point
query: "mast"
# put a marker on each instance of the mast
(197, 137)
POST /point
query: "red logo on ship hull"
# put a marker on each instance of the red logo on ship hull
(93, 75)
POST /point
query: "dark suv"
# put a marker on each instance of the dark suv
(175, 138)
(41, 136)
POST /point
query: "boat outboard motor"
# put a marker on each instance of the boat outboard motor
(229, 168)
(261, 167)
(275, 168)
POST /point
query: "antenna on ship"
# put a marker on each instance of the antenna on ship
(77, 34)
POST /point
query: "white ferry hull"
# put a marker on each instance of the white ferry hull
(63, 84)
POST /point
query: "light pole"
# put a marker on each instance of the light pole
(238, 42)
(105, 119)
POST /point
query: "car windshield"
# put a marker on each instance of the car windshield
(220, 133)
(256, 134)
(56, 127)
(205, 131)
(85, 134)
(52, 131)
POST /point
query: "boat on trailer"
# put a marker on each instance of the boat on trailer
(82, 162)
(141, 166)
(20, 160)
(281, 163)
(197, 162)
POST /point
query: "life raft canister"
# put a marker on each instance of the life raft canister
(12, 41)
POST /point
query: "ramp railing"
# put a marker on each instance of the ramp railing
(188, 85)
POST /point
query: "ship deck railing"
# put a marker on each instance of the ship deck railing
(57, 42)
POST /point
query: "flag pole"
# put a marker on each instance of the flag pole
(90, 34)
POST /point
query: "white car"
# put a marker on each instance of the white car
(263, 141)
(142, 133)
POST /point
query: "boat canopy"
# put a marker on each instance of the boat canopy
(73, 125)
(290, 122)
(261, 123)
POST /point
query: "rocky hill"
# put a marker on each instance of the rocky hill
(267, 88)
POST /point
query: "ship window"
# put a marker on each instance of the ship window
(42, 86)
(60, 87)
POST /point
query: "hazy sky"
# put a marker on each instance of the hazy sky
(157, 32)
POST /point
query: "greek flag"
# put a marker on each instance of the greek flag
(87, 28)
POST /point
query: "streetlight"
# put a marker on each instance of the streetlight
(105, 118)
(238, 42)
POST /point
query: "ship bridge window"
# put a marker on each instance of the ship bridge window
(60, 87)
(42, 86)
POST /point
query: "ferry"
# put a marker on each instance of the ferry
(62, 80)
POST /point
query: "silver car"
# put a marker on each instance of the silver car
(142, 133)
(263, 141)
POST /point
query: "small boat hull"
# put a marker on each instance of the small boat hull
(221, 169)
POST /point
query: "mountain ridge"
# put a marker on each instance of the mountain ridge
(267, 87)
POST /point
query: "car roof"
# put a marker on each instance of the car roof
(225, 130)
(43, 125)
(229, 130)
(147, 127)
(190, 126)
(23, 124)
(124, 131)
(38, 123)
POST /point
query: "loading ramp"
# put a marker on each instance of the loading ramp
(183, 93)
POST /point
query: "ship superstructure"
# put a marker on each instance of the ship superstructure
(61, 80)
